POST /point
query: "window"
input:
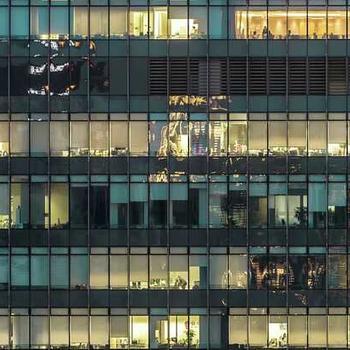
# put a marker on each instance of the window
(58, 22)
(257, 138)
(59, 331)
(59, 271)
(138, 138)
(78, 205)
(138, 332)
(238, 274)
(79, 139)
(337, 204)
(19, 138)
(198, 204)
(4, 139)
(138, 271)
(198, 271)
(59, 205)
(317, 205)
(79, 24)
(79, 331)
(158, 271)
(158, 205)
(198, 138)
(218, 206)
(158, 22)
(79, 272)
(297, 27)
(119, 199)
(297, 138)
(39, 271)
(197, 22)
(178, 205)
(99, 22)
(98, 271)
(118, 22)
(138, 22)
(39, 205)
(19, 22)
(178, 272)
(138, 205)
(257, 205)
(118, 271)
(178, 23)
(317, 23)
(237, 138)
(219, 273)
(59, 139)
(99, 202)
(119, 138)
(337, 138)
(218, 138)
(317, 138)
(336, 23)
(99, 139)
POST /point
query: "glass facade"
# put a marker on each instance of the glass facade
(174, 174)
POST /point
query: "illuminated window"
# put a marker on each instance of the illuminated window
(138, 271)
(59, 138)
(237, 144)
(79, 139)
(317, 138)
(158, 27)
(239, 23)
(4, 205)
(217, 138)
(178, 331)
(158, 271)
(317, 24)
(257, 138)
(198, 271)
(337, 138)
(19, 205)
(118, 27)
(197, 22)
(336, 24)
(238, 274)
(99, 139)
(118, 271)
(277, 138)
(4, 139)
(138, 330)
(98, 21)
(257, 25)
(79, 25)
(297, 138)
(277, 332)
(178, 272)
(59, 205)
(178, 138)
(178, 23)
(138, 22)
(297, 27)
(277, 24)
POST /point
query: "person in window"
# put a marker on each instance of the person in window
(180, 283)
(264, 32)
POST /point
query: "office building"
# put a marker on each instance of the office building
(173, 174)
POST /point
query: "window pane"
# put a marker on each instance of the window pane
(79, 22)
(59, 138)
(19, 138)
(59, 205)
(118, 22)
(98, 271)
(118, 271)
